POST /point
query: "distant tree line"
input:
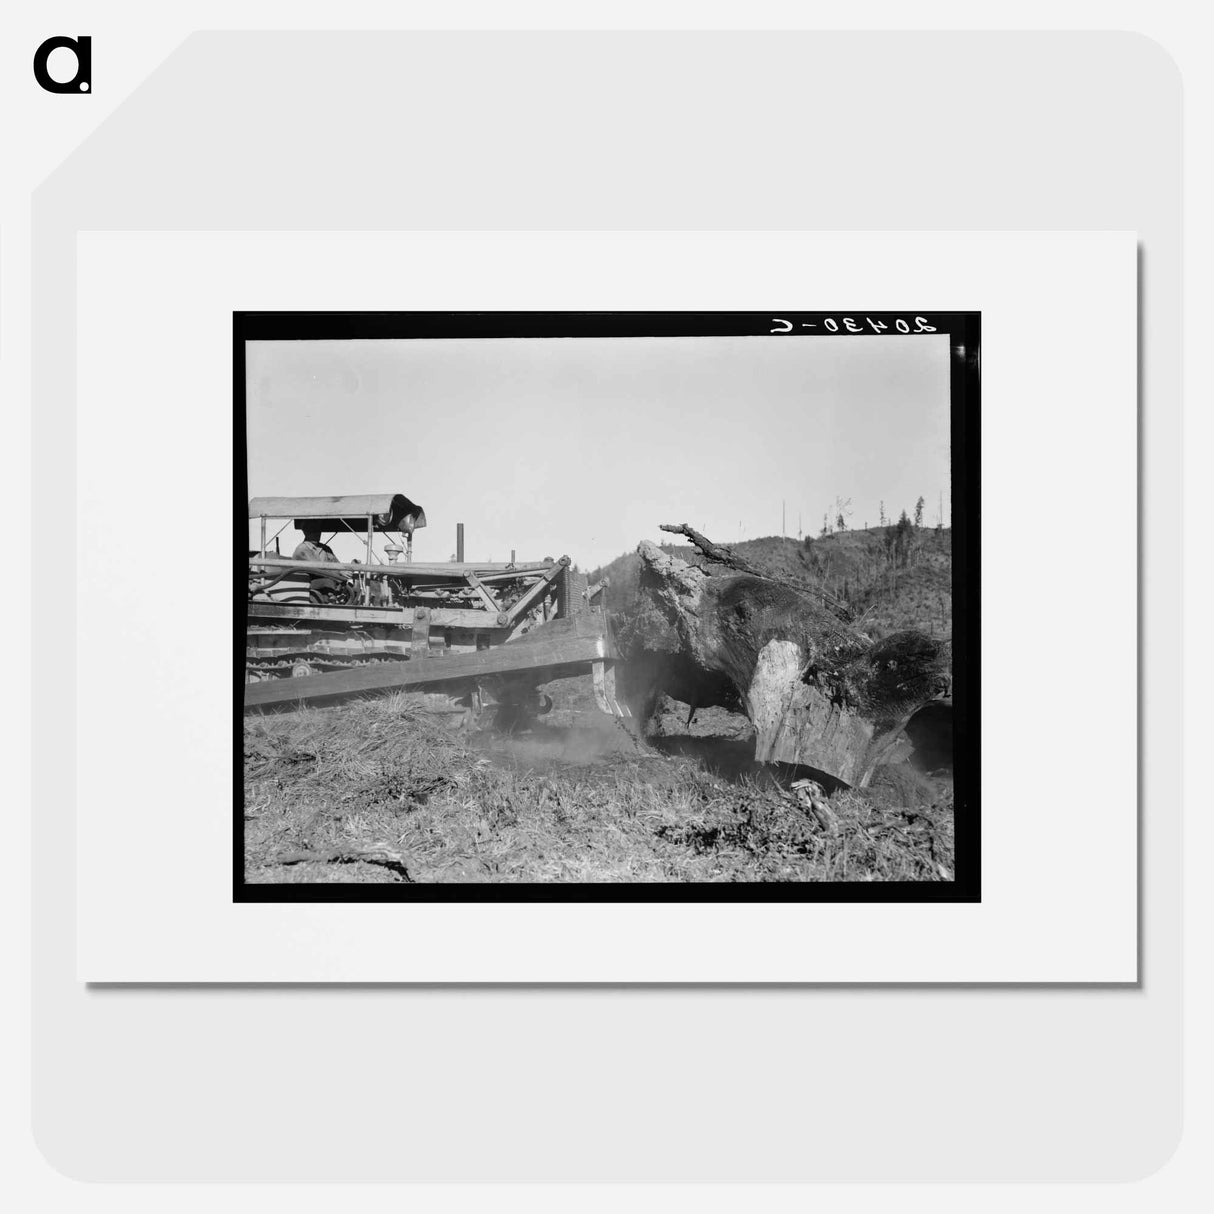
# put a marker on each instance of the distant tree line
(843, 512)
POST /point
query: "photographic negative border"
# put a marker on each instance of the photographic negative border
(964, 333)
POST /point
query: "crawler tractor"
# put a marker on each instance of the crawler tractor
(473, 639)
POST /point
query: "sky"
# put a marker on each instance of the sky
(583, 446)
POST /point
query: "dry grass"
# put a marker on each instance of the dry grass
(581, 801)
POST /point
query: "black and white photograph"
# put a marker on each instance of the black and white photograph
(595, 606)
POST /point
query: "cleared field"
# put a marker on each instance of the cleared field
(378, 791)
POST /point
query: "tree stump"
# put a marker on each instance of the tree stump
(818, 693)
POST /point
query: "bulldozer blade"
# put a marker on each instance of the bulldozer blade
(556, 650)
(604, 690)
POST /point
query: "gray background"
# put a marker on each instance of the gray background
(608, 131)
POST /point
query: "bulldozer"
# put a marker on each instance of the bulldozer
(477, 640)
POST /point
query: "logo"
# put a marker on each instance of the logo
(82, 81)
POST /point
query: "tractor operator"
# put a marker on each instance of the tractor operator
(313, 550)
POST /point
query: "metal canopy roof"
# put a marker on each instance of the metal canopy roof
(390, 511)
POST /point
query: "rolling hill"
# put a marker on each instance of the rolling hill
(890, 578)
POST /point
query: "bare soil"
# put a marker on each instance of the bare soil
(378, 791)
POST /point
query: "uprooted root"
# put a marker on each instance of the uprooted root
(392, 860)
